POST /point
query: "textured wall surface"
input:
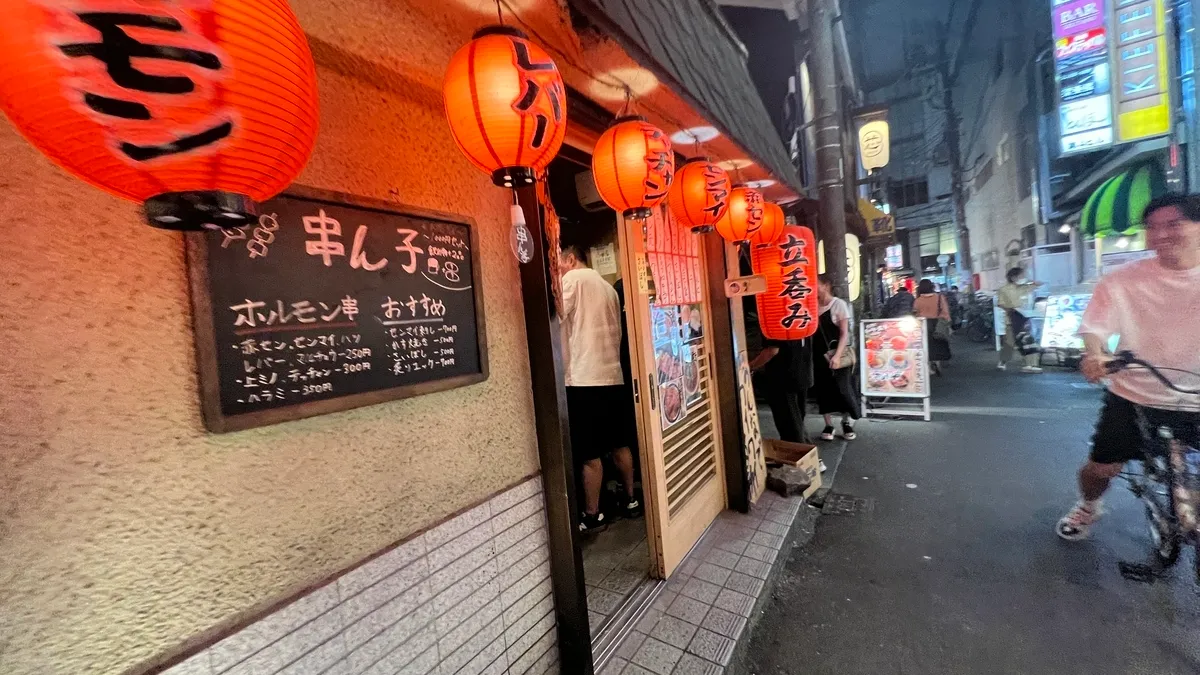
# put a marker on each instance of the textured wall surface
(471, 596)
(127, 531)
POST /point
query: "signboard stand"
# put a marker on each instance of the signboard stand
(894, 366)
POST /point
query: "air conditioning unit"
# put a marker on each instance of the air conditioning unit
(589, 196)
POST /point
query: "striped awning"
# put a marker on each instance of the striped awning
(1115, 208)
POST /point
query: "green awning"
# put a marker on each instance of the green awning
(1116, 206)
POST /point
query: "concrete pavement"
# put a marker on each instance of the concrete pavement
(956, 568)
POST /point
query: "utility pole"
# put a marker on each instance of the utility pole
(831, 176)
(949, 68)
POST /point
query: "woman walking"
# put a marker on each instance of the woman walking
(833, 373)
(931, 306)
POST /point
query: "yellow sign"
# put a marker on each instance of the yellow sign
(879, 224)
(1143, 90)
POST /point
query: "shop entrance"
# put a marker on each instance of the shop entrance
(659, 275)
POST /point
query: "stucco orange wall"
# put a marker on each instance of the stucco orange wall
(126, 530)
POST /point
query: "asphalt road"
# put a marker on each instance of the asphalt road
(957, 570)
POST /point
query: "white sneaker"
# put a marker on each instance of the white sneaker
(1002, 366)
(1031, 370)
(1077, 524)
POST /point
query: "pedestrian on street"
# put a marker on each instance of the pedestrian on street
(784, 372)
(954, 299)
(597, 399)
(833, 370)
(933, 308)
(1013, 298)
(899, 305)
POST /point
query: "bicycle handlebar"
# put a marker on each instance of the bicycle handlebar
(1124, 360)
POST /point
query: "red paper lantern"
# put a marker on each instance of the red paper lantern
(198, 109)
(700, 194)
(744, 216)
(506, 105)
(788, 309)
(633, 165)
(772, 228)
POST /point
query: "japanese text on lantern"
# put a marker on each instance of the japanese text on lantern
(541, 88)
(787, 310)
(659, 162)
(796, 284)
(183, 51)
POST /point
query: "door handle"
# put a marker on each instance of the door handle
(653, 393)
(637, 393)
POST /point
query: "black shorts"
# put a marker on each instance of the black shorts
(600, 418)
(1120, 436)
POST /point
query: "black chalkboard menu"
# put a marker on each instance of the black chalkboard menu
(330, 302)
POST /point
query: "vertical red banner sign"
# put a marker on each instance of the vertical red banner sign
(788, 309)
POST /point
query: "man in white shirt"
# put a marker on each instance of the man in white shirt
(598, 403)
(1154, 306)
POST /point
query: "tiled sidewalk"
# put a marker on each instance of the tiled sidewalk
(694, 626)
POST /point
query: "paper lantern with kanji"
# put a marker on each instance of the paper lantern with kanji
(198, 109)
(700, 194)
(633, 166)
(506, 105)
(788, 309)
(772, 228)
(744, 216)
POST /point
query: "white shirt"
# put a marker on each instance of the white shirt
(1156, 313)
(840, 310)
(591, 330)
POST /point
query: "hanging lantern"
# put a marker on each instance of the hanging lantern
(633, 165)
(772, 228)
(744, 216)
(506, 105)
(197, 109)
(700, 194)
(788, 309)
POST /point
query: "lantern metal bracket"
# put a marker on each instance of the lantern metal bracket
(204, 210)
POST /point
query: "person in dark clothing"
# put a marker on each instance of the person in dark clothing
(835, 386)
(899, 305)
(783, 371)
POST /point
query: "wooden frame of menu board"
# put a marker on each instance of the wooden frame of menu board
(888, 400)
(217, 417)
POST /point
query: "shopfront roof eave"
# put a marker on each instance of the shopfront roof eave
(768, 153)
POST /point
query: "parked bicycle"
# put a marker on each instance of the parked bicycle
(1168, 485)
(980, 320)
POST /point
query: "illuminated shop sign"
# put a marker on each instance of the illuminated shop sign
(1111, 61)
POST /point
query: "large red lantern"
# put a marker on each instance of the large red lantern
(744, 216)
(788, 309)
(772, 228)
(198, 109)
(506, 105)
(633, 166)
(700, 194)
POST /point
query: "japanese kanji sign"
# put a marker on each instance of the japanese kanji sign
(323, 306)
(788, 310)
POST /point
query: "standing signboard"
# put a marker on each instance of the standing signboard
(895, 367)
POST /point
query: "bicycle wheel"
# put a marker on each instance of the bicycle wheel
(1152, 488)
(978, 332)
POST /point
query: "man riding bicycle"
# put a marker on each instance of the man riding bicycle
(1154, 306)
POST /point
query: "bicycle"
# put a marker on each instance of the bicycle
(980, 321)
(1168, 485)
